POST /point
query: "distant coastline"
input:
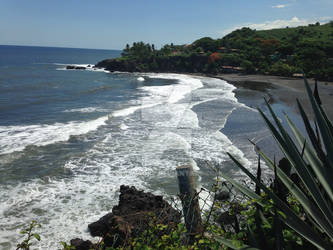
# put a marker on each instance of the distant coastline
(246, 58)
(279, 88)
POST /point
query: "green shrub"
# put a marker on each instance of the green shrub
(281, 69)
(30, 235)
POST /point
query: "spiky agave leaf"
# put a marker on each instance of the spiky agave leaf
(315, 139)
(316, 94)
(323, 173)
(303, 169)
(277, 225)
(325, 126)
(307, 203)
(290, 219)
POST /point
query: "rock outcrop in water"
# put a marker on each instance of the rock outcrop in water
(75, 67)
(136, 209)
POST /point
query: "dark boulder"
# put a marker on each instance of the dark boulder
(132, 216)
(75, 67)
(102, 226)
(80, 244)
(222, 196)
(80, 67)
(226, 218)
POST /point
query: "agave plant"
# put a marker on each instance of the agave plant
(311, 157)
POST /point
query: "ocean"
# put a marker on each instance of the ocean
(70, 138)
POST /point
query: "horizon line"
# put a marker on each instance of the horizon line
(59, 47)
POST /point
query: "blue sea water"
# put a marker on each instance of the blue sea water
(70, 138)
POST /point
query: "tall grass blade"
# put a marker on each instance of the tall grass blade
(329, 123)
(258, 220)
(248, 192)
(316, 94)
(315, 140)
(279, 242)
(324, 126)
(258, 176)
(323, 173)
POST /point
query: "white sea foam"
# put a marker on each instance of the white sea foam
(142, 150)
(86, 110)
(158, 95)
(140, 79)
(172, 112)
(63, 207)
(131, 110)
(186, 84)
(123, 126)
(171, 109)
(16, 138)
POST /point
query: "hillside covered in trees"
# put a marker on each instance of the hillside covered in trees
(283, 52)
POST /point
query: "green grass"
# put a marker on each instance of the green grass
(322, 33)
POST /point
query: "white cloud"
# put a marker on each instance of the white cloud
(280, 6)
(276, 24)
(295, 21)
(325, 19)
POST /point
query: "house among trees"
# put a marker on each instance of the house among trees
(231, 69)
(222, 49)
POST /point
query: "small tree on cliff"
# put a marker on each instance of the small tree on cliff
(126, 50)
(139, 51)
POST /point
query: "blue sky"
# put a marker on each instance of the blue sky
(110, 24)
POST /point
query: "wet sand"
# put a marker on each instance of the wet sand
(284, 89)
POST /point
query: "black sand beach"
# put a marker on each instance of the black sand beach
(281, 92)
(284, 89)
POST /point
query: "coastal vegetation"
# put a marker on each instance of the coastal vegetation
(282, 52)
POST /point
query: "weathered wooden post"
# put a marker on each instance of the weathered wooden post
(189, 198)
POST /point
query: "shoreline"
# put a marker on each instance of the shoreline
(283, 89)
(279, 89)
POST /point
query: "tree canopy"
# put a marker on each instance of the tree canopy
(278, 51)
